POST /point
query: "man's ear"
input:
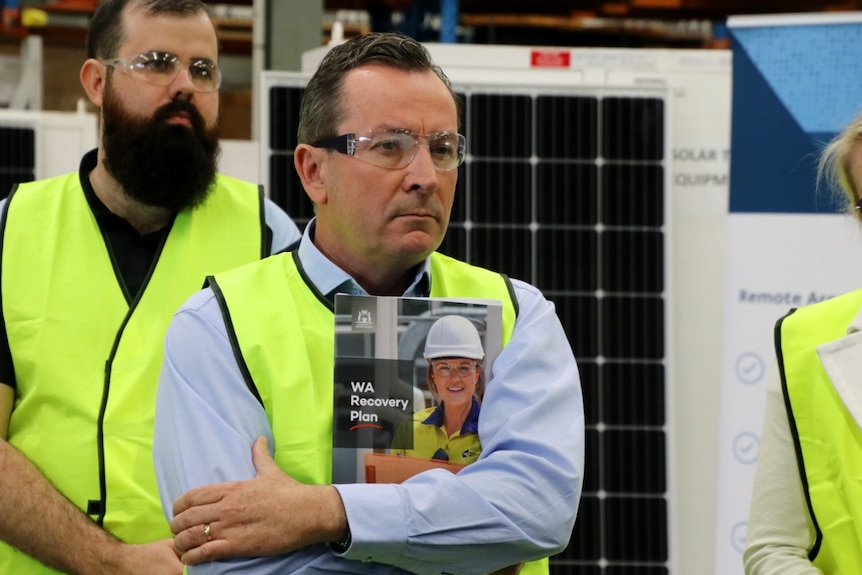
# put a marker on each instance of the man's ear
(310, 163)
(93, 79)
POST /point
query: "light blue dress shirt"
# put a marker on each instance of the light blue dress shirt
(518, 501)
(285, 233)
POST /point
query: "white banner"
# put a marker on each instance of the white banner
(794, 87)
(775, 262)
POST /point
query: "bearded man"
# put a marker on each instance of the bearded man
(92, 266)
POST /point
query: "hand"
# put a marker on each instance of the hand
(156, 558)
(268, 515)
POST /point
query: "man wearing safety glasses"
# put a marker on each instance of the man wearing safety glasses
(94, 264)
(253, 357)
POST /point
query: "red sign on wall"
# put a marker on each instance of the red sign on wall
(550, 58)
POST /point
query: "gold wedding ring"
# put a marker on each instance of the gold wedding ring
(208, 532)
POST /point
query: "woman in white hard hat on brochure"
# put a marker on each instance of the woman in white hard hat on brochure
(448, 431)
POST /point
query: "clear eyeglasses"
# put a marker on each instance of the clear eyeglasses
(465, 369)
(395, 149)
(162, 68)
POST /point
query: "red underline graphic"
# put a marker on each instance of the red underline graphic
(374, 425)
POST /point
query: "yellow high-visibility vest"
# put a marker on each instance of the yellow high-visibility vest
(828, 440)
(86, 359)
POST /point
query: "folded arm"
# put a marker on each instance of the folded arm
(517, 502)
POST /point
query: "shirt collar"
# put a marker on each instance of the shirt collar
(471, 424)
(330, 279)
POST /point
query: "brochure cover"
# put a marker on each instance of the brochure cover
(409, 376)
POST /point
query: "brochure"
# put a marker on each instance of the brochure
(409, 375)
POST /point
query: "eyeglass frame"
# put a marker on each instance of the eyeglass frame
(475, 366)
(347, 144)
(125, 65)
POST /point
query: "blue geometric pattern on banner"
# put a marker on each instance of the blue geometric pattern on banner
(773, 162)
(814, 69)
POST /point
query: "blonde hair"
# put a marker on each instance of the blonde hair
(836, 163)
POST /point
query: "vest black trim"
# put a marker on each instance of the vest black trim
(512, 296)
(106, 386)
(231, 334)
(310, 285)
(7, 351)
(794, 432)
(265, 232)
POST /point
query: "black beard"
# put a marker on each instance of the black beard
(160, 164)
